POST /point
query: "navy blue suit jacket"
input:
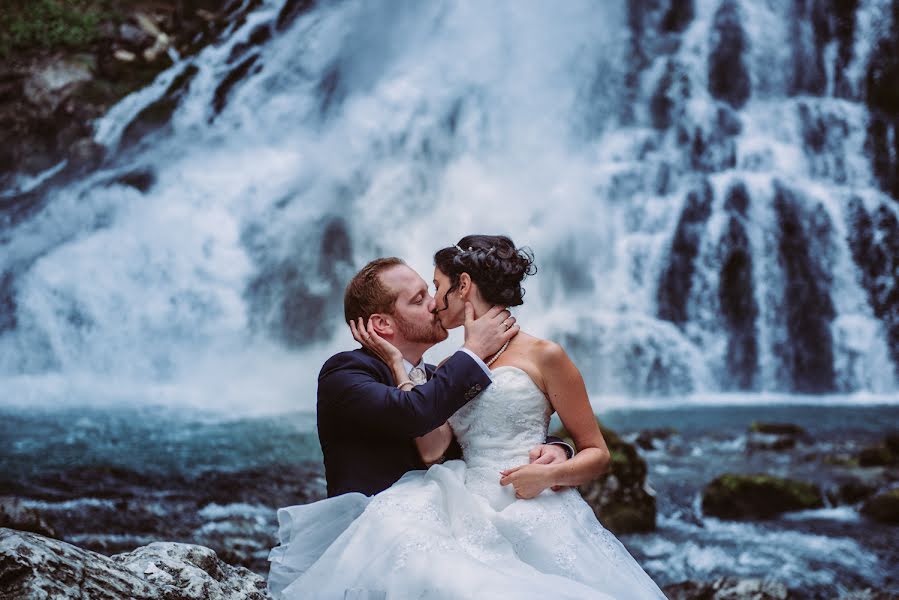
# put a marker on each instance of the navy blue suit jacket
(366, 425)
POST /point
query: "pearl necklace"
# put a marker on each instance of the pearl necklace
(495, 356)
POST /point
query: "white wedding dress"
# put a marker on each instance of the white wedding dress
(452, 532)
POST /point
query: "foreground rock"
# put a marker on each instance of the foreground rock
(621, 499)
(727, 588)
(32, 566)
(758, 496)
(731, 588)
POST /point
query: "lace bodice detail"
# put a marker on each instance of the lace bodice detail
(500, 426)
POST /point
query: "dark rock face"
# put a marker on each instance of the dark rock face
(156, 115)
(237, 74)
(32, 566)
(814, 26)
(680, 14)
(808, 353)
(677, 279)
(291, 10)
(620, 498)
(670, 96)
(729, 79)
(50, 96)
(757, 496)
(882, 98)
(8, 318)
(874, 240)
(736, 294)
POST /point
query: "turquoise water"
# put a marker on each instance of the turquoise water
(60, 460)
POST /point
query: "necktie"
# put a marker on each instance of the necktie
(417, 376)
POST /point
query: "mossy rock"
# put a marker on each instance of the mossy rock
(777, 428)
(876, 456)
(891, 441)
(758, 496)
(620, 498)
(883, 507)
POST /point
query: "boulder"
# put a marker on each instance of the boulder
(758, 496)
(727, 588)
(33, 566)
(650, 439)
(14, 515)
(621, 500)
(774, 436)
(883, 507)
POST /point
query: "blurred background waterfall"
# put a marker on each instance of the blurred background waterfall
(710, 187)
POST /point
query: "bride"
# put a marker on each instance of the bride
(487, 526)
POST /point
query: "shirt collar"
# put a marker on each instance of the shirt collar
(409, 366)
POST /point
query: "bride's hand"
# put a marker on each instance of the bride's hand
(528, 480)
(369, 338)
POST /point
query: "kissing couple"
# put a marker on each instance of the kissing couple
(442, 482)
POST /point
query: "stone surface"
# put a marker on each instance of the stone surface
(758, 496)
(621, 499)
(883, 507)
(774, 436)
(727, 588)
(33, 566)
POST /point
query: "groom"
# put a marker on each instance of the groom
(366, 425)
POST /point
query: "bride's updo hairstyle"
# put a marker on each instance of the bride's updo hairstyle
(493, 263)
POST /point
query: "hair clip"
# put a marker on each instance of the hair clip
(460, 249)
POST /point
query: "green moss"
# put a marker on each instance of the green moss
(51, 24)
(758, 496)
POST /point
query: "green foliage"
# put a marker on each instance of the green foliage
(50, 24)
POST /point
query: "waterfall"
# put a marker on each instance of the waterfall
(709, 187)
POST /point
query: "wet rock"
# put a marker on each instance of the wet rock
(733, 496)
(291, 10)
(14, 515)
(807, 356)
(727, 588)
(674, 288)
(876, 456)
(774, 436)
(650, 439)
(874, 239)
(882, 98)
(883, 507)
(680, 14)
(33, 566)
(736, 294)
(621, 499)
(728, 74)
(852, 489)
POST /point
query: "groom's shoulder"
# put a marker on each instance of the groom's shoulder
(350, 359)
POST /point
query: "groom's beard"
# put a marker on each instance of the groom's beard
(419, 333)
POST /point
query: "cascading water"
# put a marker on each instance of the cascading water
(707, 188)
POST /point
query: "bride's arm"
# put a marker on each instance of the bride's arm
(568, 395)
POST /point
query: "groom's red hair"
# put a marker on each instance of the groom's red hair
(366, 294)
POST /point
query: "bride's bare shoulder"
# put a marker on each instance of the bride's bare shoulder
(547, 353)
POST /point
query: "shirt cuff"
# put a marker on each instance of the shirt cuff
(478, 360)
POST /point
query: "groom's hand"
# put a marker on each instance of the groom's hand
(548, 454)
(486, 335)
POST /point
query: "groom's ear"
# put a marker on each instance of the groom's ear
(382, 324)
